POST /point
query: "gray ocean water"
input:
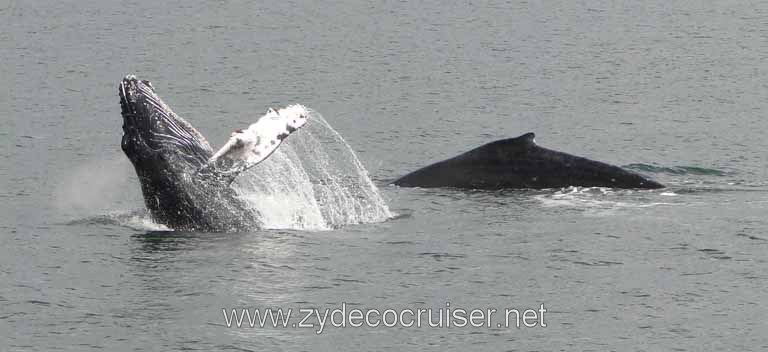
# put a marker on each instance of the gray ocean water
(673, 89)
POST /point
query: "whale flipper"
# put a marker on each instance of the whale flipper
(248, 147)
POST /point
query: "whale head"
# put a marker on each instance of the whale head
(167, 152)
(152, 131)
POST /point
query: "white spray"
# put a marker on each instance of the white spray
(314, 181)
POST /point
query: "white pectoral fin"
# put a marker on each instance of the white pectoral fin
(226, 149)
(246, 148)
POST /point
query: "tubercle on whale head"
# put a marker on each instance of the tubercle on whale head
(131, 90)
(133, 143)
(131, 85)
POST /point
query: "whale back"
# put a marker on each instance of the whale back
(519, 163)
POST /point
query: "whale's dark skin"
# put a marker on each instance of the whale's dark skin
(518, 163)
(168, 155)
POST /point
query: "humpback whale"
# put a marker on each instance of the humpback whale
(185, 185)
(518, 163)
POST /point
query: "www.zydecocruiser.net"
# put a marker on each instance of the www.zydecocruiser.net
(348, 317)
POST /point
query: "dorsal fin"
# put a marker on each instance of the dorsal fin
(521, 142)
(528, 138)
(503, 148)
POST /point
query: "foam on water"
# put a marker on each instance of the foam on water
(599, 198)
(313, 182)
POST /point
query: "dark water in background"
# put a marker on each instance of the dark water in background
(677, 87)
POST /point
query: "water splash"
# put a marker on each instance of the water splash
(138, 220)
(313, 182)
(94, 185)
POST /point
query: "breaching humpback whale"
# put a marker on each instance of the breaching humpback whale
(186, 186)
(518, 163)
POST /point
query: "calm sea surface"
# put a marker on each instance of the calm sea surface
(675, 90)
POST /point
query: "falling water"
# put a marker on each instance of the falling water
(314, 181)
